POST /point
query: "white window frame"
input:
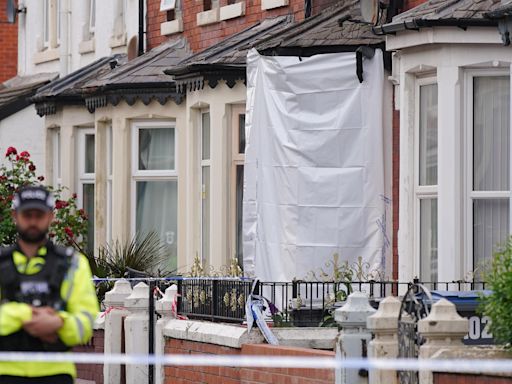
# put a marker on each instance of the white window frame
(109, 182)
(167, 5)
(51, 24)
(237, 159)
(149, 175)
(204, 164)
(421, 192)
(56, 158)
(58, 26)
(468, 194)
(46, 23)
(92, 16)
(84, 178)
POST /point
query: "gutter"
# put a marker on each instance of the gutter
(417, 24)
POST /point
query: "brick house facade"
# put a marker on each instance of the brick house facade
(8, 45)
(201, 37)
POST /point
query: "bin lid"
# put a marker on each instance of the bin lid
(463, 300)
(461, 295)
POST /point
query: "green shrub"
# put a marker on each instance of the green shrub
(498, 305)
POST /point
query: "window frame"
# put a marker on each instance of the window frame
(109, 182)
(468, 193)
(204, 163)
(46, 23)
(55, 135)
(165, 6)
(92, 16)
(237, 159)
(85, 178)
(421, 192)
(151, 175)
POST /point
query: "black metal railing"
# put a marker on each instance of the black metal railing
(298, 303)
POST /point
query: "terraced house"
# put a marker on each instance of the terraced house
(147, 119)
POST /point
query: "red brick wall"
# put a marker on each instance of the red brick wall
(455, 378)
(408, 4)
(200, 38)
(92, 372)
(285, 375)
(196, 375)
(8, 45)
(230, 375)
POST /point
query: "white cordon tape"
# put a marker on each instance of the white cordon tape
(251, 361)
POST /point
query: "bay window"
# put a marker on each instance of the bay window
(155, 184)
(488, 165)
(237, 179)
(205, 185)
(426, 184)
(86, 180)
(56, 180)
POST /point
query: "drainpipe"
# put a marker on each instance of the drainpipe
(141, 27)
(65, 15)
(307, 8)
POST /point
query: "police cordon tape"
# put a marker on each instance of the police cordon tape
(252, 361)
(167, 279)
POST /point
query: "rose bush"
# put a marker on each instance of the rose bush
(70, 224)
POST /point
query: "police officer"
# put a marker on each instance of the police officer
(48, 302)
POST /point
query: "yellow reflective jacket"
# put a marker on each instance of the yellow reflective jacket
(77, 290)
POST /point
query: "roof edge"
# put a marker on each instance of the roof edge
(417, 24)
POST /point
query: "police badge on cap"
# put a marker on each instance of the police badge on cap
(33, 197)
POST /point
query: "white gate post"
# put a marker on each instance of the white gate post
(164, 308)
(384, 325)
(114, 313)
(443, 328)
(354, 337)
(136, 332)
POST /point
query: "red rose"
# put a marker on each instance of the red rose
(59, 204)
(51, 235)
(32, 167)
(75, 196)
(40, 178)
(17, 157)
(24, 154)
(11, 151)
(69, 232)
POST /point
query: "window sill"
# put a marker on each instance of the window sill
(271, 4)
(232, 11)
(117, 41)
(171, 27)
(208, 17)
(46, 56)
(87, 46)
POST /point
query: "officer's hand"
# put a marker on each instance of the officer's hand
(44, 324)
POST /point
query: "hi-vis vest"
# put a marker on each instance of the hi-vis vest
(55, 277)
(39, 289)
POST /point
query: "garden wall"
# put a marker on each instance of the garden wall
(92, 372)
(461, 378)
(230, 375)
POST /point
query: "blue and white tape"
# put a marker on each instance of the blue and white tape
(251, 361)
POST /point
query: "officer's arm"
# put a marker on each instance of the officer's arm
(12, 317)
(82, 304)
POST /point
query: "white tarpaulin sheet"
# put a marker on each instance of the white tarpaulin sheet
(314, 172)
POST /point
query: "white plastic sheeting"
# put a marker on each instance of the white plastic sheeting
(314, 168)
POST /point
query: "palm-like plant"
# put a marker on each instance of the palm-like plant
(144, 252)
